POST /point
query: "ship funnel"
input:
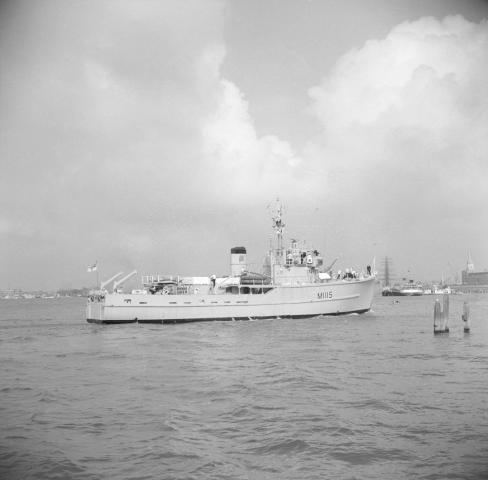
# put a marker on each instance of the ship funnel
(238, 261)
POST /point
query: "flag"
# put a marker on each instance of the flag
(92, 268)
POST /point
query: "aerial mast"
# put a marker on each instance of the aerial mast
(387, 272)
(278, 226)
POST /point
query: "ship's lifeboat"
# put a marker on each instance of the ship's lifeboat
(253, 278)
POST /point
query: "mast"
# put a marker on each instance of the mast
(276, 253)
(469, 263)
(387, 272)
(278, 226)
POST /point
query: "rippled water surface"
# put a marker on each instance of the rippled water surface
(355, 397)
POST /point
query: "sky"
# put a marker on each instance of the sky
(153, 135)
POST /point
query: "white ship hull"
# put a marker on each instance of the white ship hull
(298, 301)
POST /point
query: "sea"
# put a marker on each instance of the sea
(372, 396)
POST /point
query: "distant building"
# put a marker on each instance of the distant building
(472, 281)
(474, 278)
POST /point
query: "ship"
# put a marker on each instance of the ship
(409, 289)
(293, 283)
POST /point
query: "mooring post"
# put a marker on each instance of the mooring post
(445, 312)
(465, 317)
(441, 314)
(437, 316)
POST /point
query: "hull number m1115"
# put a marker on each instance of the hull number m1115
(324, 295)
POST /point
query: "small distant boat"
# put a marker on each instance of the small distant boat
(442, 290)
(410, 289)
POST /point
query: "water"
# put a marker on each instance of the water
(355, 397)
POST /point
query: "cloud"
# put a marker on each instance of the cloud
(405, 132)
(396, 74)
(248, 165)
(123, 141)
(99, 114)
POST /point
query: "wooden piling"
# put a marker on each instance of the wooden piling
(445, 312)
(437, 315)
(441, 315)
(465, 317)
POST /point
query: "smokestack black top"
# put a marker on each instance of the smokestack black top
(238, 250)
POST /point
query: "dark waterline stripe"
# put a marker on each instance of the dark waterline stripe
(224, 319)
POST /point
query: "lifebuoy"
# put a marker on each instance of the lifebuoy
(165, 291)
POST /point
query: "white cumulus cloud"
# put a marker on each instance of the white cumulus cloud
(405, 131)
(246, 162)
